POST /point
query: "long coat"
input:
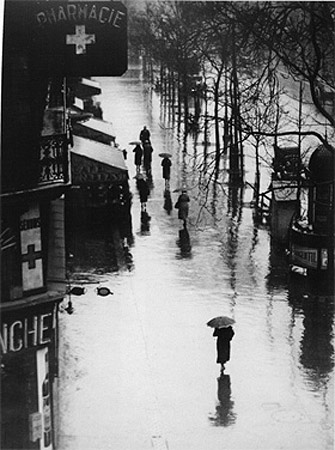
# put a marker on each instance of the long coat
(166, 164)
(145, 135)
(138, 155)
(147, 155)
(182, 206)
(224, 335)
(143, 189)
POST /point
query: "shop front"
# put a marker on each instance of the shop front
(29, 366)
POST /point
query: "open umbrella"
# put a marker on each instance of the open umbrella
(221, 322)
(165, 155)
(135, 143)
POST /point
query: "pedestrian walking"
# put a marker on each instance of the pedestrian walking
(145, 135)
(138, 157)
(144, 191)
(182, 206)
(224, 336)
(166, 165)
(147, 158)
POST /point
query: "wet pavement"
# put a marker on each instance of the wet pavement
(138, 367)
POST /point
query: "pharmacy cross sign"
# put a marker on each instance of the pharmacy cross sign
(80, 39)
(31, 256)
(68, 38)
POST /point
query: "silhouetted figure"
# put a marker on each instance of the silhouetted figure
(224, 336)
(166, 164)
(144, 191)
(167, 201)
(138, 157)
(145, 135)
(147, 158)
(182, 206)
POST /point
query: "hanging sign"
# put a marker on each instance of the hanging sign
(70, 38)
(31, 249)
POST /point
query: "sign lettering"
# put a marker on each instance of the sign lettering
(81, 13)
(26, 333)
(70, 38)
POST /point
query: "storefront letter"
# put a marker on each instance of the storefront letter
(12, 346)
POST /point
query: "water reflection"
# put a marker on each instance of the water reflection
(277, 277)
(316, 345)
(95, 251)
(145, 223)
(224, 415)
(184, 242)
(167, 201)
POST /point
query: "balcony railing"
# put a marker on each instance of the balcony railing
(54, 159)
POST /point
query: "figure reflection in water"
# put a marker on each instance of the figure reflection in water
(167, 201)
(184, 241)
(224, 414)
(145, 222)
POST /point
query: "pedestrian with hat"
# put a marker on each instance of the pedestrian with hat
(182, 206)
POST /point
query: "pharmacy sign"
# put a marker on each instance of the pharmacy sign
(71, 38)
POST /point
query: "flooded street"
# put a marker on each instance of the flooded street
(138, 368)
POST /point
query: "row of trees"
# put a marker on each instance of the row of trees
(238, 48)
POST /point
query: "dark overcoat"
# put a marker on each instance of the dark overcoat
(145, 135)
(138, 155)
(166, 164)
(224, 335)
(182, 206)
(143, 189)
(147, 155)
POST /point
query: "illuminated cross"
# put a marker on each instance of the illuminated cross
(80, 39)
(31, 256)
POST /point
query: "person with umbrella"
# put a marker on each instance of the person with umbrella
(144, 191)
(224, 332)
(138, 157)
(147, 159)
(166, 165)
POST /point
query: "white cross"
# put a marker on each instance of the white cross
(80, 39)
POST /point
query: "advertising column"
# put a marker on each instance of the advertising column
(44, 398)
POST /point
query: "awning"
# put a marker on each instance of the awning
(86, 88)
(96, 129)
(93, 162)
(76, 114)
